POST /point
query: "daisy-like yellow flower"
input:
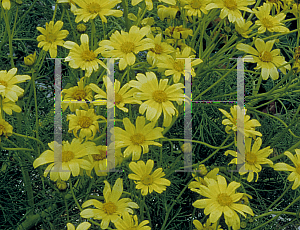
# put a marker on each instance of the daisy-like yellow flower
(206, 226)
(157, 96)
(268, 22)
(146, 181)
(82, 226)
(231, 122)
(266, 60)
(131, 222)
(86, 122)
(231, 8)
(8, 80)
(178, 32)
(195, 7)
(254, 157)
(125, 45)
(5, 128)
(82, 57)
(52, 37)
(71, 160)
(6, 4)
(244, 29)
(295, 175)
(176, 66)
(77, 93)
(167, 12)
(161, 50)
(9, 106)
(112, 209)
(136, 138)
(222, 200)
(90, 9)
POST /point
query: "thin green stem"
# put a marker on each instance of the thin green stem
(20, 135)
(10, 38)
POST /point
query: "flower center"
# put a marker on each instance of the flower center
(267, 22)
(137, 139)
(250, 158)
(99, 157)
(159, 96)
(230, 4)
(265, 56)
(3, 83)
(224, 200)
(298, 169)
(196, 4)
(147, 180)
(67, 156)
(85, 121)
(50, 38)
(127, 47)
(179, 66)
(79, 94)
(157, 49)
(118, 98)
(93, 7)
(88, 55)
(109, 208)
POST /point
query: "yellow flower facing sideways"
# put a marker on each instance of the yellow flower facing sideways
(267, 60)
(253, 158)
(82, 226)
(206, 226)
(6, 4)
(52, 37)
(146, 181)
(112, 209)
(5, 128)
(222, 199)
(295, 175)
(131, 222)
(149, 3)
(9, 106)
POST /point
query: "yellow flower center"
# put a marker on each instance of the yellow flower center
(230, 4)
(137, 139)
(88, 55)
(93, 7)
(179, 66)
(67, 156)
(157, 49)
(50, 38)
(147, 180)
(99, 157)
(250, 158)
(196, 4)
(224, 200)
(85, 121)
(127, 47)
(79, 94)
(298, 169)
(118, 98)
(267, 22)
(3, 83)
(266, 56)
(159, 96)
(109, 208)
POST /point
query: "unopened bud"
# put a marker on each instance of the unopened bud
(61, 185)
(30, 59)
(81, 28)
(186, 148)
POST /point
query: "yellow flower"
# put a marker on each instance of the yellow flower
(244, 29)
(295, 175)
(194, 7)
(296, 10)
(5, 128)
(9, 106)
(254, 157)
(137, 137)
(81, 28)
(125, 45)
(206, 226)
(176, 66)
(157, 96)
(222, 200)
(277, 3)
(149, 3)
(86, 122)
(268, 22)
(8, 80)
(52, 37)
(82, 57)
(231, 8)
(112, 209)
(145, 181)
(195, 185)
(266, 60)
(6, 4)
(231, 122)
(178, 32)
(167, 12)
(131, 222)
(91, 8)
(82, 226)
(77, 93)
(70, 159)
(30, 59)
(61, 185)
(161, 50)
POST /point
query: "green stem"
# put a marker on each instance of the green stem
(55, 9)
(255, 91)
(73, 195)
(93, 39)
(125, 7)
(20, 135)
(10, 38)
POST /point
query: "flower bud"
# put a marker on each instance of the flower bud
(30, 59)
(186, 148)
(61, 185)
(202, 170)
(81, 28)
